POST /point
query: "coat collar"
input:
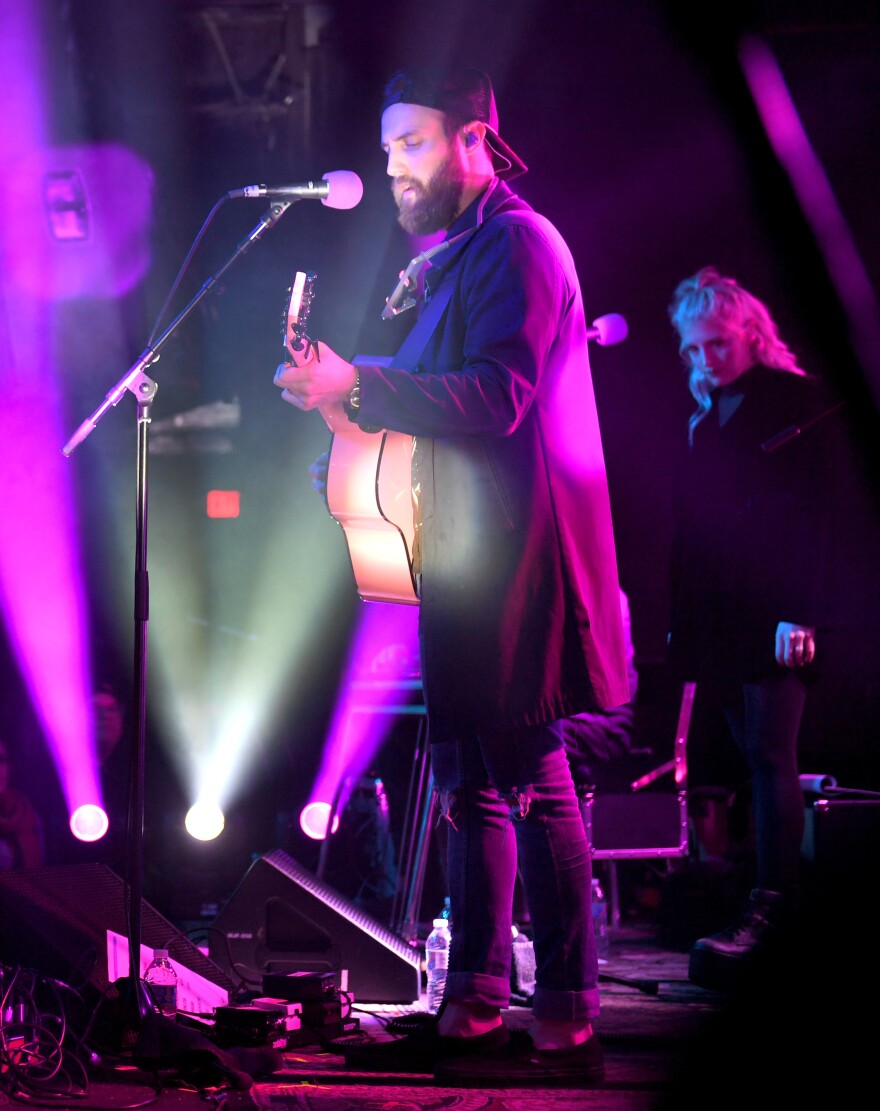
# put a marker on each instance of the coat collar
(494, 198)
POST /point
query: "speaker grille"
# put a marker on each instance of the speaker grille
(282, 918)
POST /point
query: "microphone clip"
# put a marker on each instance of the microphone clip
(402, 297)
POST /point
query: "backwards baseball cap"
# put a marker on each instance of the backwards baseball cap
(463, 92)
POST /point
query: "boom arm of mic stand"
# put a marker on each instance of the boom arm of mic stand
(143, 388)
(134, 379)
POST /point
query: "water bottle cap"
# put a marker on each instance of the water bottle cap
(440, 922)
(160, 952)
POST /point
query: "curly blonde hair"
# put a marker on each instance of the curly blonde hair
(709, 294)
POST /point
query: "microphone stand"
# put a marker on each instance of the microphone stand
(144, 390)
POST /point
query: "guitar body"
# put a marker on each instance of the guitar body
(369, 481)
(369, 492)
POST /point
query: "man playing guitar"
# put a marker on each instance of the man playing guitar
(515, 565)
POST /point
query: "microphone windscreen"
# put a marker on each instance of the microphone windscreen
(612, 328)
(346, 189)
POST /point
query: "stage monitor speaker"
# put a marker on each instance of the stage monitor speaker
(281, 918)
(54, 920)
(839, 853)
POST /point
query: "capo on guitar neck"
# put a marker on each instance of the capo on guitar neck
(299, 302)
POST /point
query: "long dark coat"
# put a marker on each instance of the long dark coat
(520, 615)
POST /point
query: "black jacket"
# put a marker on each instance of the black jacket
(750, 536)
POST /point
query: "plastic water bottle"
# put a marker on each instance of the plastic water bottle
(522, 966)
(161, 979)
(436, 962)
(600, 920)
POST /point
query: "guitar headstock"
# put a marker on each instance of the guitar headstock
(296, 311)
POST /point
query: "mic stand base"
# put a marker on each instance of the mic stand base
(120, 1018)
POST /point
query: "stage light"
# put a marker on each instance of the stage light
(67, 206)
(380, 682)
(204, 821)
(313, 820)
(89, 822)
(82, 219)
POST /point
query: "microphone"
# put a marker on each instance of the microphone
(609, 329)
(337, 189)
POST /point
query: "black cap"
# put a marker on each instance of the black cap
(464, 92)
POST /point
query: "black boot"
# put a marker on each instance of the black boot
(719, 962)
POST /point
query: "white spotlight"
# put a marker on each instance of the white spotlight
(204, 821)
(89, 822)
(313, 820)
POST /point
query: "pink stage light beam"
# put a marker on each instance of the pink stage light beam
(41, 577)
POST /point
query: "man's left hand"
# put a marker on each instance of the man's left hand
(315, 376)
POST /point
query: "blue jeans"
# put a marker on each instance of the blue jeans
(505, 796)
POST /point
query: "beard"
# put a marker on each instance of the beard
(436, 202)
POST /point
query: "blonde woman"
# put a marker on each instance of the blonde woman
(749, 535)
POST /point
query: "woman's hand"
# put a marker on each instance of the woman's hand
(795, 644)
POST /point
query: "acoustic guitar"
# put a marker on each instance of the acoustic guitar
(369, 480)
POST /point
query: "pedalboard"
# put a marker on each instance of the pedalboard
(301, 987)
(296, 1009)
(248, 1025)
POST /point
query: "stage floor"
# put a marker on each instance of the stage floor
(668, 1044)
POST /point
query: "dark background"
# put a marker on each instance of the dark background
(646, 151)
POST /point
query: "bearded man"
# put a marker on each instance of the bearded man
(514, 561)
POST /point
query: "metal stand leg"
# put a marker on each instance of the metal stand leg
(613, 895)
(415, 841)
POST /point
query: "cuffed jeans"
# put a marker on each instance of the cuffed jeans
(507, 795)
